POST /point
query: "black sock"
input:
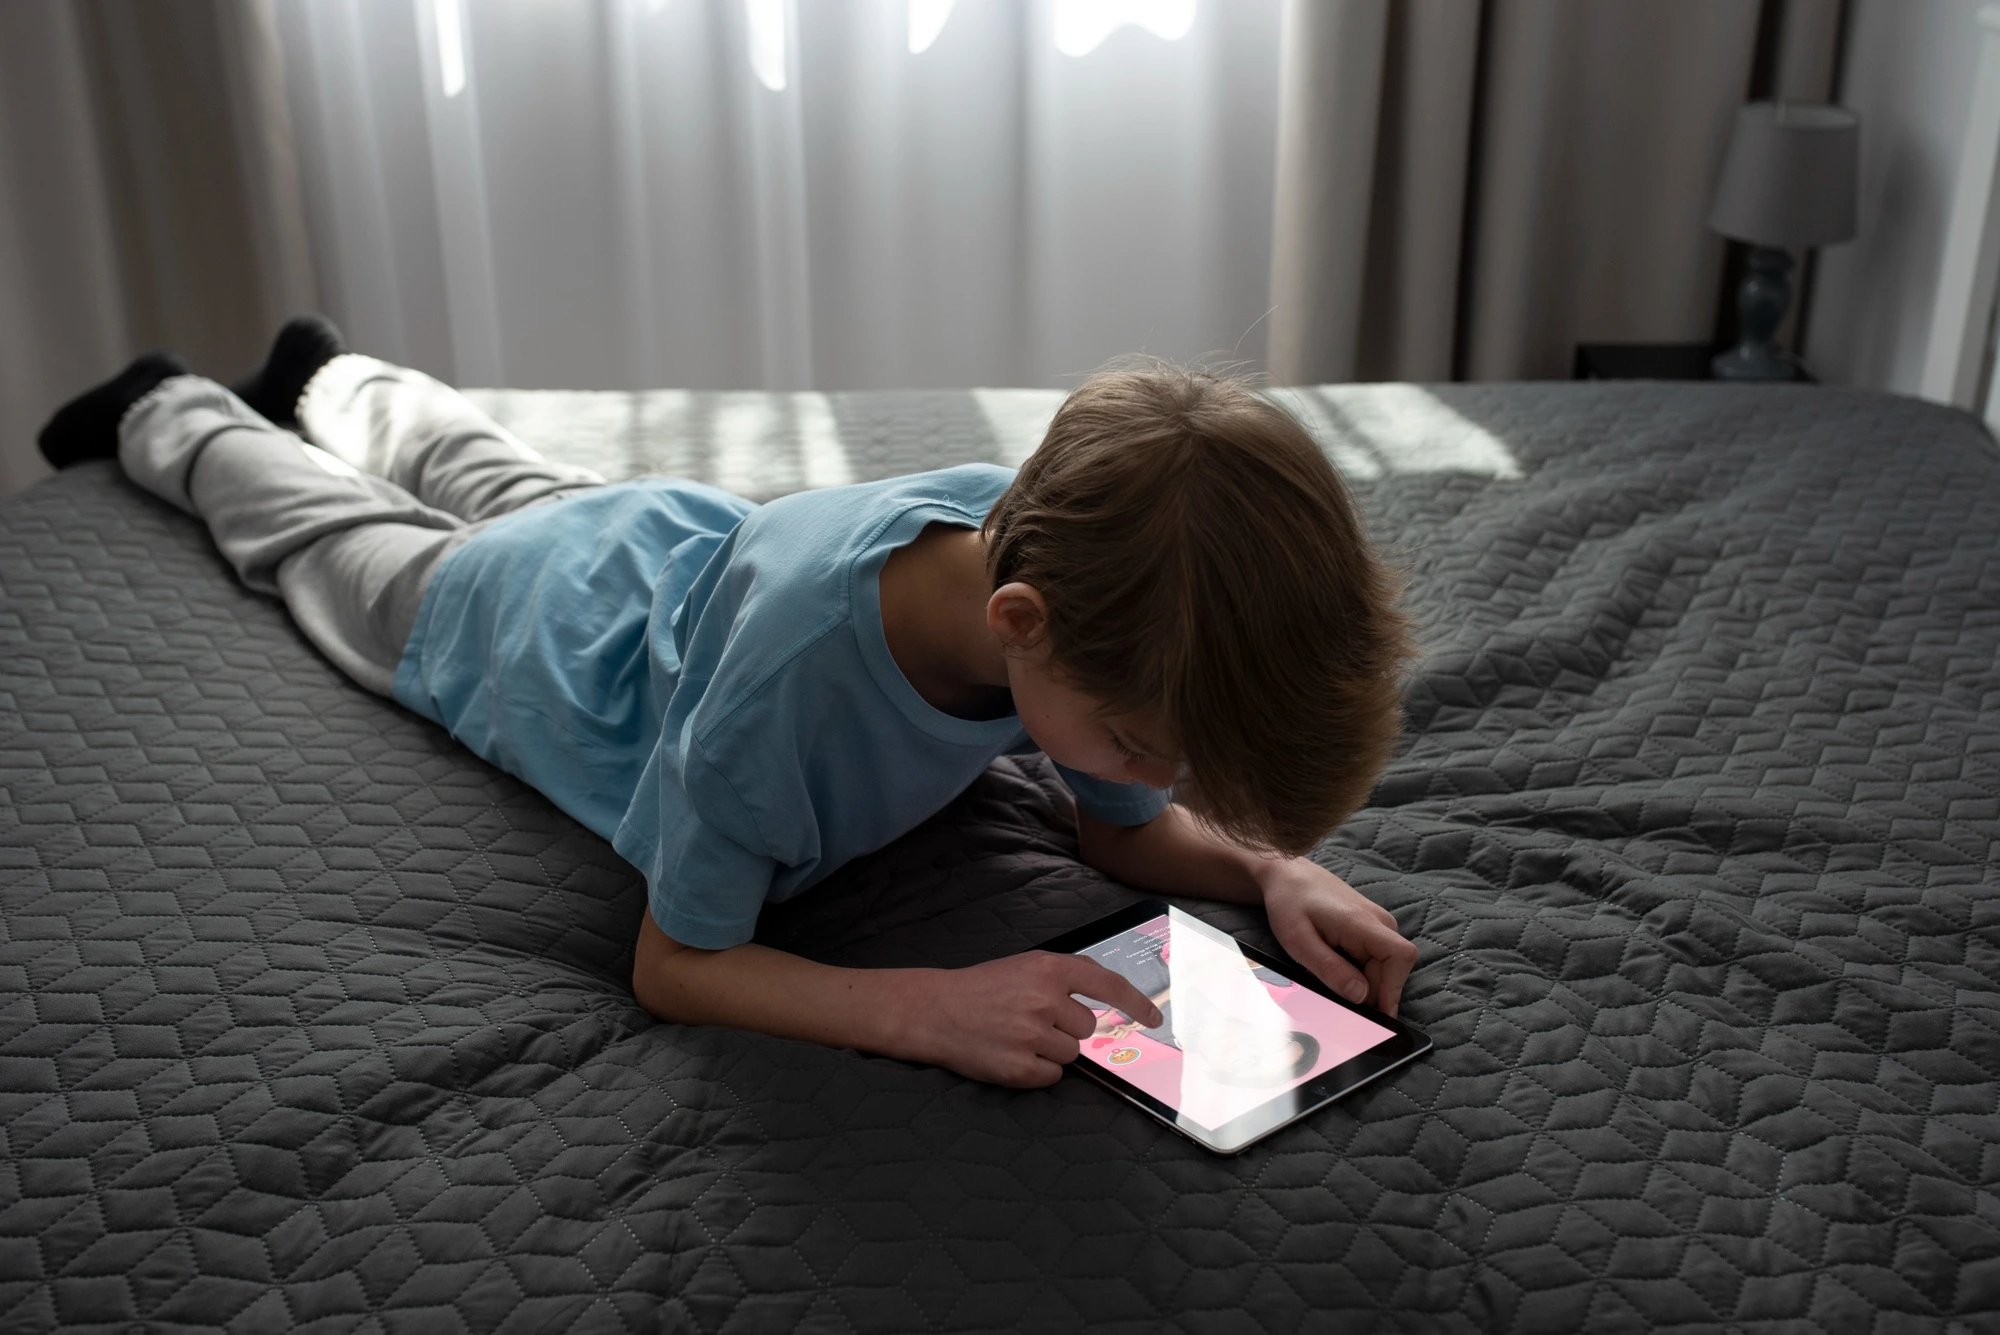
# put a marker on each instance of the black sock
(87, 426)
(306, 343)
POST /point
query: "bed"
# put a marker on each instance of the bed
(309, 1019)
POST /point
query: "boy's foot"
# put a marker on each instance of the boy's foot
(306, 343)
(87, 426)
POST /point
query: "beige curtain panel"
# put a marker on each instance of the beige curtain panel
(1469, 188)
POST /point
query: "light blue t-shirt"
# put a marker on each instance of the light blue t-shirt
(705, 682)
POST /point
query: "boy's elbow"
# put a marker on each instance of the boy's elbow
(650, 990)
(1090, 837)
(1099, 842)
(656, 960)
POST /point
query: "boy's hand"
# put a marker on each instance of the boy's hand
(1316, 915)
(1013, 1021)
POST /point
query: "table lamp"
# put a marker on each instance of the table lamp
(1787, 183)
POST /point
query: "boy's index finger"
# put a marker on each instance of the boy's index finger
(1087, 978)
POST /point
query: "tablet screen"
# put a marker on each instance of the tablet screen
(1235, 1035)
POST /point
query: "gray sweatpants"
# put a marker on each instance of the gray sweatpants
(348, 524)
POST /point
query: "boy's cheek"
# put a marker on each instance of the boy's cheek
(1061, 748)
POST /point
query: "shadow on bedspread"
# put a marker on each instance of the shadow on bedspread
(307, 1017)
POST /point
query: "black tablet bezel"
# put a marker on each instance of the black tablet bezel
(1405, 1044)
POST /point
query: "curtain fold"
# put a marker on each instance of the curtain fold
(1375, 113)
(148, 196)
(1469, 188)
(1600, 131)
(64, 320)
(195, 149)
(660, 205)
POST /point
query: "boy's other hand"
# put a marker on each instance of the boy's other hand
(1316, 916)
(1014, 1021)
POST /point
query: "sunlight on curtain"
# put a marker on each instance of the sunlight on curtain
(1082, 25)
(927, 20)
(765, 21)
(884, 194)
(450, 20)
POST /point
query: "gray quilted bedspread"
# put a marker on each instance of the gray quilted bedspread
(308, 1019)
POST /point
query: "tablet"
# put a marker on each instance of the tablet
(1247, 1045)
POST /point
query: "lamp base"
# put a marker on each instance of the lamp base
(1745, 362)
(1760, 309)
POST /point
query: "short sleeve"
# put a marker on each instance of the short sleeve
(1115, 803)
(706, 890)
(704, 884)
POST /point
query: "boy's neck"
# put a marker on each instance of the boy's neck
(934, 594)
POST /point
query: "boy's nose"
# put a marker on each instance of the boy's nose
(1153, 773)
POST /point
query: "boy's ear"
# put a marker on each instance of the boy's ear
(1017, 614)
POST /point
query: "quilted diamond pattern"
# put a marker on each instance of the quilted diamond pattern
(308, 1018)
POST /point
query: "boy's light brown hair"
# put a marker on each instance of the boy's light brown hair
(1205, 569)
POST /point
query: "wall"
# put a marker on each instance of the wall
(1907, 68)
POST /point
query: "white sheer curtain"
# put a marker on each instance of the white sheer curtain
(784, 194)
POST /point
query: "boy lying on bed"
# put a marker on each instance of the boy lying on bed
(1174, 594)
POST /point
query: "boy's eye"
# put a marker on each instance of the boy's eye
(1123, 749)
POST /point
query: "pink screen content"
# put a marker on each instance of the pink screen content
(1235, 1035)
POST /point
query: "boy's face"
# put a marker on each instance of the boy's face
(1071, 730)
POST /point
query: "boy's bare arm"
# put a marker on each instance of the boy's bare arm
(1011, 1021)
(1314, 913)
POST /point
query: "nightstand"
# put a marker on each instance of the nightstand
(1657, 361)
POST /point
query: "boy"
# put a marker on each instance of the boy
(1174, 593)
